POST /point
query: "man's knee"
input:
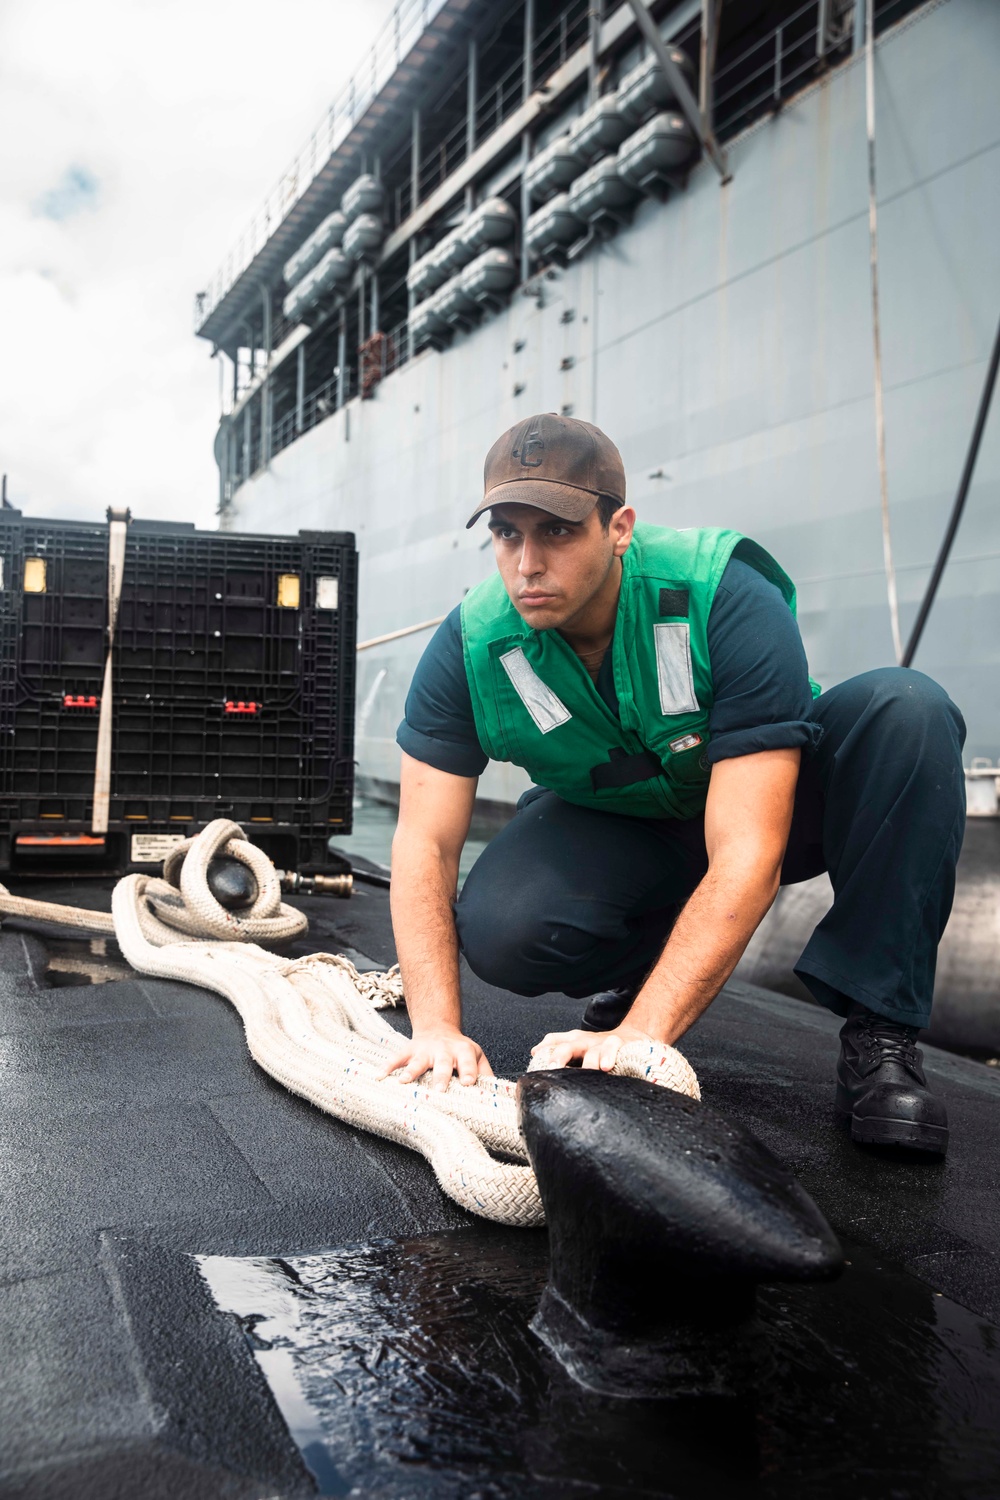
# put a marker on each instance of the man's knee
(909, 702)
(907, 687)
(513, 945)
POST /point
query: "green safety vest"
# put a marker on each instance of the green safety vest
(536, 704)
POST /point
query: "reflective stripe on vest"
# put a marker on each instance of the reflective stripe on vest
(673, 668)
(547, 710)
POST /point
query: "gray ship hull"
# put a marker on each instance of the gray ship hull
(723, 339)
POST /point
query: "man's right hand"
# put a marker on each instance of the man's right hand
(435, 810)
(441, 1051)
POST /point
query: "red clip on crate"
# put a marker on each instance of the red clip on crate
(78, 700)
(241, 708)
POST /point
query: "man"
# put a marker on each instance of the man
(654, 686)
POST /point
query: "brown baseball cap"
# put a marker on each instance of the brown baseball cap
(558, 464)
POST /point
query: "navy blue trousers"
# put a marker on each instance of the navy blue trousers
(574, 900)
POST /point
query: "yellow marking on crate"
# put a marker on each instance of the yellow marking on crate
(288, 590)
(34, 575)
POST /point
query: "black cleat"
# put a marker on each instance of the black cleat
(608, 1009)
(881, 1089)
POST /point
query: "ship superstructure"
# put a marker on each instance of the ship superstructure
(527, 207)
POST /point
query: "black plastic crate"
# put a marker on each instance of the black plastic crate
(233, 689)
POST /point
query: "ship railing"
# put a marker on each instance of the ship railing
(779, 59)
(397, 348)
(443, 158)
(402, 200)
(562, 37)
(393, 353)
(317, 406)
(285, 432)
(783, 60)
(406, 23)
(551, 47)
(500, 101)
(282, 327)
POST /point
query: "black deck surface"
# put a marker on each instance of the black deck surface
(136, 1131)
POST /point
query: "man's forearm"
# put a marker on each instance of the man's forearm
(704, 948)
(423, 889)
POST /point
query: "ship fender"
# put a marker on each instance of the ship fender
(552, 229)
(646, 87)
(657, 152)
(553, 169)
(299, 299)
(600, 194)
(663, 1220)
(493, 222)
(457, 306)
(600, 130)
(363, 236)
(329, 234)
(489, 276)
(427, 324)
(364, 196)
(453, 253)
(424, 276)
(333, 269)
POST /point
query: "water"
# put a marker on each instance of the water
(407, 1368)
(74, 961)
(374, 826)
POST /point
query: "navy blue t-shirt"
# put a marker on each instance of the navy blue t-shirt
(762, 694)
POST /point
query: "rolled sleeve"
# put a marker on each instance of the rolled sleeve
(793, 735)
(457, 758)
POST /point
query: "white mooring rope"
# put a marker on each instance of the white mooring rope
(313, 1023)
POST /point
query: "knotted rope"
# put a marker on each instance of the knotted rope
(313, 1023)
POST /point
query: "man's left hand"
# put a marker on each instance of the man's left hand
(592, 1049)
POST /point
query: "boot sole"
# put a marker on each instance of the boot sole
(932, 1139)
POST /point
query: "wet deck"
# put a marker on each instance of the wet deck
(137, 1132)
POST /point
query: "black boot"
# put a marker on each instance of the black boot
(606, 1010)
(881, 1088)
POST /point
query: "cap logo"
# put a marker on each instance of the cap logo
(526, 447)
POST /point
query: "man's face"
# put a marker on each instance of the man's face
(553, 569)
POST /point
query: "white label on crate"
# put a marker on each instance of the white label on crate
(327, 593)
(153, 848)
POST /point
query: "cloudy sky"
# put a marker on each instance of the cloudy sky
(140, 136)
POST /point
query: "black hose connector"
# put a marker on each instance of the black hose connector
(316, 885)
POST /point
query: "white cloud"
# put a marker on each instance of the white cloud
(141, 137)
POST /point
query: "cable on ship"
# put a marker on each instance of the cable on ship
(958, 507)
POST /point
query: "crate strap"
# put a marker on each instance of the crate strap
(117, 530)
